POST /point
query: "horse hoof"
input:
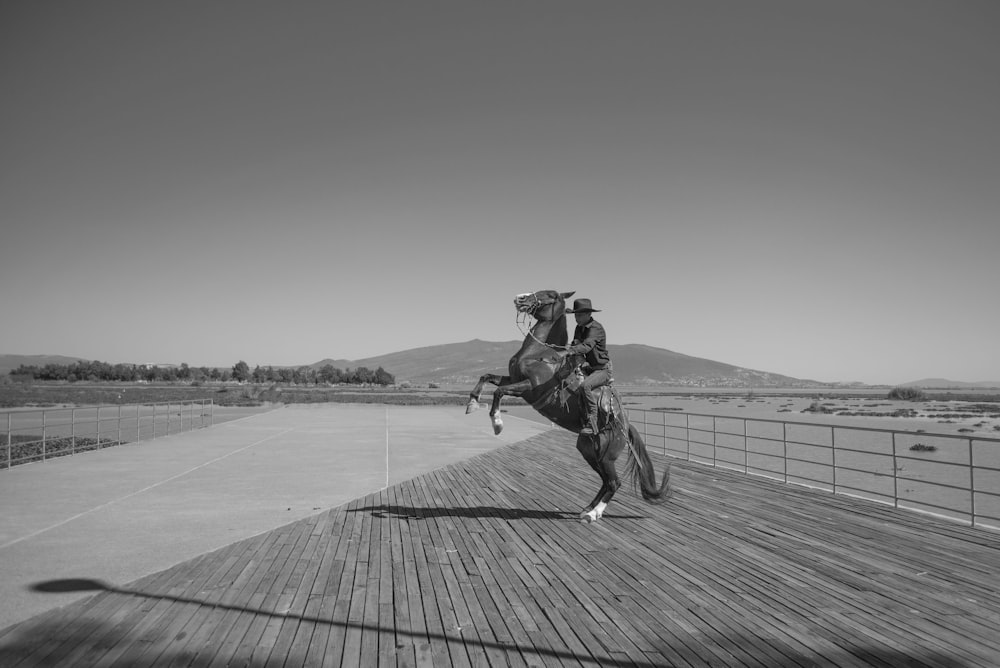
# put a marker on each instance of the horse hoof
(472, 406)
(589, 518)
(497, 427)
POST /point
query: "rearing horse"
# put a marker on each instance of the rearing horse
(543, 374)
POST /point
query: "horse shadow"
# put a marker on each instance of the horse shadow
(394, 511)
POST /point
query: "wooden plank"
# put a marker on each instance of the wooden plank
(445, 628)
(87, 636)
(345, 599)
(482, 641)
(302, 647)
(114, 640)
(370, 632)
(420, 592)
(297, 590)
(186, 619)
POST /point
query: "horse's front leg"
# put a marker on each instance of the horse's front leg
(515, 389)
(477, 391)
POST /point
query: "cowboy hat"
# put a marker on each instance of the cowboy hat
(582, 306)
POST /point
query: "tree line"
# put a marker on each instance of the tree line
(240, 372)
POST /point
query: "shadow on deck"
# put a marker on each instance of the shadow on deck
(484, 562)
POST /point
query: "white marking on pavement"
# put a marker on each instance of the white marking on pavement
(144, 489)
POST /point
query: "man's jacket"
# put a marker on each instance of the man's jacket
(590, 340)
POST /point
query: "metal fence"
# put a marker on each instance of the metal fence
(952, 476)
(38, 434)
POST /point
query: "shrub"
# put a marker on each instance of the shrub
(907, 394)
(920, 447)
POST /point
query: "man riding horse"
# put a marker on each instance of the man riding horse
(539, 373)
(591, 341)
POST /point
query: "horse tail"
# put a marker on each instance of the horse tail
(640, 468)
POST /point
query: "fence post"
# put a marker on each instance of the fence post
(895, 474)
(687, 437)
(784, 450)
(972, 486)
(43, 436)
(663, 429)
(746, 448)
(833, 445)
(715, 439)
(72, 429)
(9, 427)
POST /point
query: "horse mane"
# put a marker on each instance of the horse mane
(558, 335)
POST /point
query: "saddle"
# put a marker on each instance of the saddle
(609, 405)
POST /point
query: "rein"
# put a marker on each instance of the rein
(522, 321)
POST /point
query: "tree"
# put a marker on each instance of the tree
(328, 374)
(241, 372)
(383, 377)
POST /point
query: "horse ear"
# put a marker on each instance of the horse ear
(567, 295)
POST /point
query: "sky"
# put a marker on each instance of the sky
(801, 187)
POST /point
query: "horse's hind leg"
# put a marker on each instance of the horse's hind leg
(611, 484)
(477, 391)
(588, 448)
(604, 463)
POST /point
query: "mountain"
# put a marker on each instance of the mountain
(943, 383)
(337, 364)
(447, 363)
(634, 364)
(10, 362)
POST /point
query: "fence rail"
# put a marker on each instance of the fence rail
(953, 476)
(38, 434)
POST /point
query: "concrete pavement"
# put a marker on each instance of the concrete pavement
(125, 512)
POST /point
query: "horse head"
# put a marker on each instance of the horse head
(544, 305)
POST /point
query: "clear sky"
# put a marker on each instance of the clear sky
(803, 187)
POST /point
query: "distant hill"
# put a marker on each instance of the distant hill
(10, 362)
(336, 364)
(943, 383)
(446, 363)
(634, 364)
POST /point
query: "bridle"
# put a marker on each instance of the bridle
(527, 309)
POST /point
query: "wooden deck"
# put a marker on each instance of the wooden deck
(485, 563)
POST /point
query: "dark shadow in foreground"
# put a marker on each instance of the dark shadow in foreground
(43, 642)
